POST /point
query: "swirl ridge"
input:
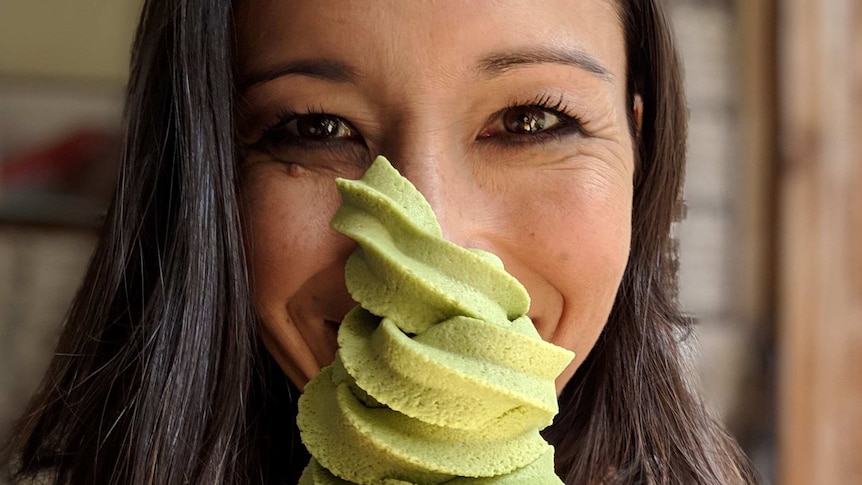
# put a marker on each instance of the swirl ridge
(439, 373)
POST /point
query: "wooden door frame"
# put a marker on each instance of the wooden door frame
(819, 205)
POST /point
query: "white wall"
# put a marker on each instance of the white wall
(85, 40)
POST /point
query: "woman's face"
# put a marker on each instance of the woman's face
(509, 116)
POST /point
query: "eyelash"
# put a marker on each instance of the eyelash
(569, 124)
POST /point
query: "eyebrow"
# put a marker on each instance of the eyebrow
(490, 66)
(498, 64)
(321, 69)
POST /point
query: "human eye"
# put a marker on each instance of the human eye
(308, 130)
(313, 139)
(539, 120)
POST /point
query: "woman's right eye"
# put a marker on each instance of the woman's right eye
(310, 129)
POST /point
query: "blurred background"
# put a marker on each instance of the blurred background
(770, 248)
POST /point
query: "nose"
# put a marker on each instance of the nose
(438, 167)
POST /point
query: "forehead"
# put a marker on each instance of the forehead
(421, 38)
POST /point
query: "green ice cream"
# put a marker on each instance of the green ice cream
(440, 376)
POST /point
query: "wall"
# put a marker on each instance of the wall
(41, 269)
(83, 40)
(62, 67)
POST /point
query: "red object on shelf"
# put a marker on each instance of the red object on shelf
(60, 160)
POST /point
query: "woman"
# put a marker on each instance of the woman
(552, 135)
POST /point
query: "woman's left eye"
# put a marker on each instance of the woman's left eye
(529, 121)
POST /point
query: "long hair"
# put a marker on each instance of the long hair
(159, 377)
(629, 415)
(150, 378)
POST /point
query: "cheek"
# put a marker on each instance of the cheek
(589, 283)
(296, 262)
(587, 249)
(592, 254)
(282, 220)
(576, 241)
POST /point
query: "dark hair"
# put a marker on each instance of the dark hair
(629, 415)
(159, 377)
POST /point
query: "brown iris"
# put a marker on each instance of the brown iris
(319, 126)
(525, 120)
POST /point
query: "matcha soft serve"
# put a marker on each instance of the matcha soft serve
(440, 376)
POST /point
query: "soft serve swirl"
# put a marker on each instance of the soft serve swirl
(439, 374)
